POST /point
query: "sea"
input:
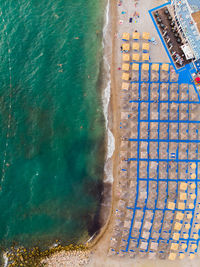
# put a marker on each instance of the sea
(52, 142)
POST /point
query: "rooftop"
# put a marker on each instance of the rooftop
(196, 17)
(190, 30)
(194, 4)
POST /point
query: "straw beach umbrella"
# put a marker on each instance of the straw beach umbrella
(145, 75)
(126, 57)
(125, 76)
(113, 243)
(126, 47)
(136, 57)
(145, 57)
(131, 125)
(123, 154)
(136, 46)
(146, 35)
(125, 86)
(124, 115)
(136, 36)
(145, 47)
(125, 67)
(145, 67)
(125, 36)
(165, 67)
(173, 76)
(135, 66)
(155, 67)
(154, 76)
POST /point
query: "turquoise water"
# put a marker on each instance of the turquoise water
(51, 120)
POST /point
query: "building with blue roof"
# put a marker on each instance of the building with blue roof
(194, 5)
(185, 11)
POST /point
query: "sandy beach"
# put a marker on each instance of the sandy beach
(100, 244)
(119, 23)
(157, 53)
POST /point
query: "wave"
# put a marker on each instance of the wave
(5, 258)
(106, 98)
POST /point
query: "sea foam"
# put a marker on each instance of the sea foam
(106, 98)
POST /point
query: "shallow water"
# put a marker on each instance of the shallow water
(51, 119)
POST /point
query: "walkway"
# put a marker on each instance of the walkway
(191, 32)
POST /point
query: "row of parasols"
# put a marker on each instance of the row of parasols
(126, 47)
(136, 67)
(137, 57)
(135, 46)
(136, 36)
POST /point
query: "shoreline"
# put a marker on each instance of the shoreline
(106, 201)
(105, 209)
(109, 103)
(109, 106)
(112, 122)
(100, 244)
(106, 180)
